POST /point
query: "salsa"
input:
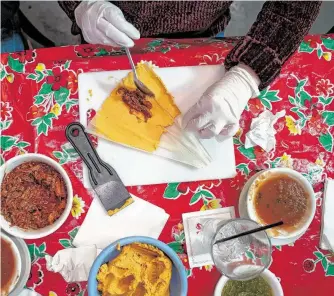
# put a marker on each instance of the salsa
(254, 287)
(281, 198)
(8, 265)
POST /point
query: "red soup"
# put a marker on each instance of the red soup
(8, 265)
(282, 198)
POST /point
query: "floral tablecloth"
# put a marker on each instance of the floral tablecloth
(39, 97)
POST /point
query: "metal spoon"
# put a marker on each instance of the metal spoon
(141, 86)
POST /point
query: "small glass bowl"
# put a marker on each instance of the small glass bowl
(242, 258)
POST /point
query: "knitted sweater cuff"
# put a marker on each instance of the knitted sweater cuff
(69, 7)
(279, 29)
(259, 57)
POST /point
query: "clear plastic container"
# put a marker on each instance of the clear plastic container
(242, 258)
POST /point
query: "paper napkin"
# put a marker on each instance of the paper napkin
(199, 229)
(28, 292)
(327, 226)
(73, 263)
(262, 131)
(140, 218)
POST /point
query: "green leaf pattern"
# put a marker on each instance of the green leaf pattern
(38, 76)
(326, 44)
(61, 95)
(67, 154)
(5, 124)
(43, 123)
(326, 101)
(275, 163)
(68, 242)
(268, 96)
(70, 103)
(164, 46)
(243, 167)
(298, 107)
(203, 194)
(305, 47)
(177, 247)
(3, 72)
(328, 117)
(48, 98)
(326, 264)
(249, 152)
(330, 270)
(8, 142)
(67, 65)
(326, 140)
(15, 65)
(36, 251)
(171, 191)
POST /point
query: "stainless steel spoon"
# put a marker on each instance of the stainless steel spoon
(141, 86)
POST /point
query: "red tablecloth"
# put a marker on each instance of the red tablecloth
(39, 98)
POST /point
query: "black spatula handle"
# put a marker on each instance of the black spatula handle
(77, 136)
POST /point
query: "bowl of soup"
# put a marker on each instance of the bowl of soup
(15, 264)
(10, 264)
(282, 194)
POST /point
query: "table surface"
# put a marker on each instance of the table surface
(40, 97)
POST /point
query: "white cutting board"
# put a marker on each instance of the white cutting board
(186, 84)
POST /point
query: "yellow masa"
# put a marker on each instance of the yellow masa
(115, 122)
(129, 201)
(139, 270)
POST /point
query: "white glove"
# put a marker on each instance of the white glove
(104, 23)
(218, 111)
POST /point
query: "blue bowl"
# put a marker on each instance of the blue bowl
(178, 284)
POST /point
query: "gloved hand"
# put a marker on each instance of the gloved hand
(104, 23)
(218, 111)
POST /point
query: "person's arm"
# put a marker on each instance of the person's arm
(278, 31)
(253, 63)
(69, 8)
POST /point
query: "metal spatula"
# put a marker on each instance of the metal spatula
(103, 178)
(141, 86)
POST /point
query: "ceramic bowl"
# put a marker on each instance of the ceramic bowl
(266, 274)
(295, 175)
(178, 284)
(24, 263)
(37, 233)
(243, 213)
(17, 259)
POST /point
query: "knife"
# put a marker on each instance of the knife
(103, 178)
